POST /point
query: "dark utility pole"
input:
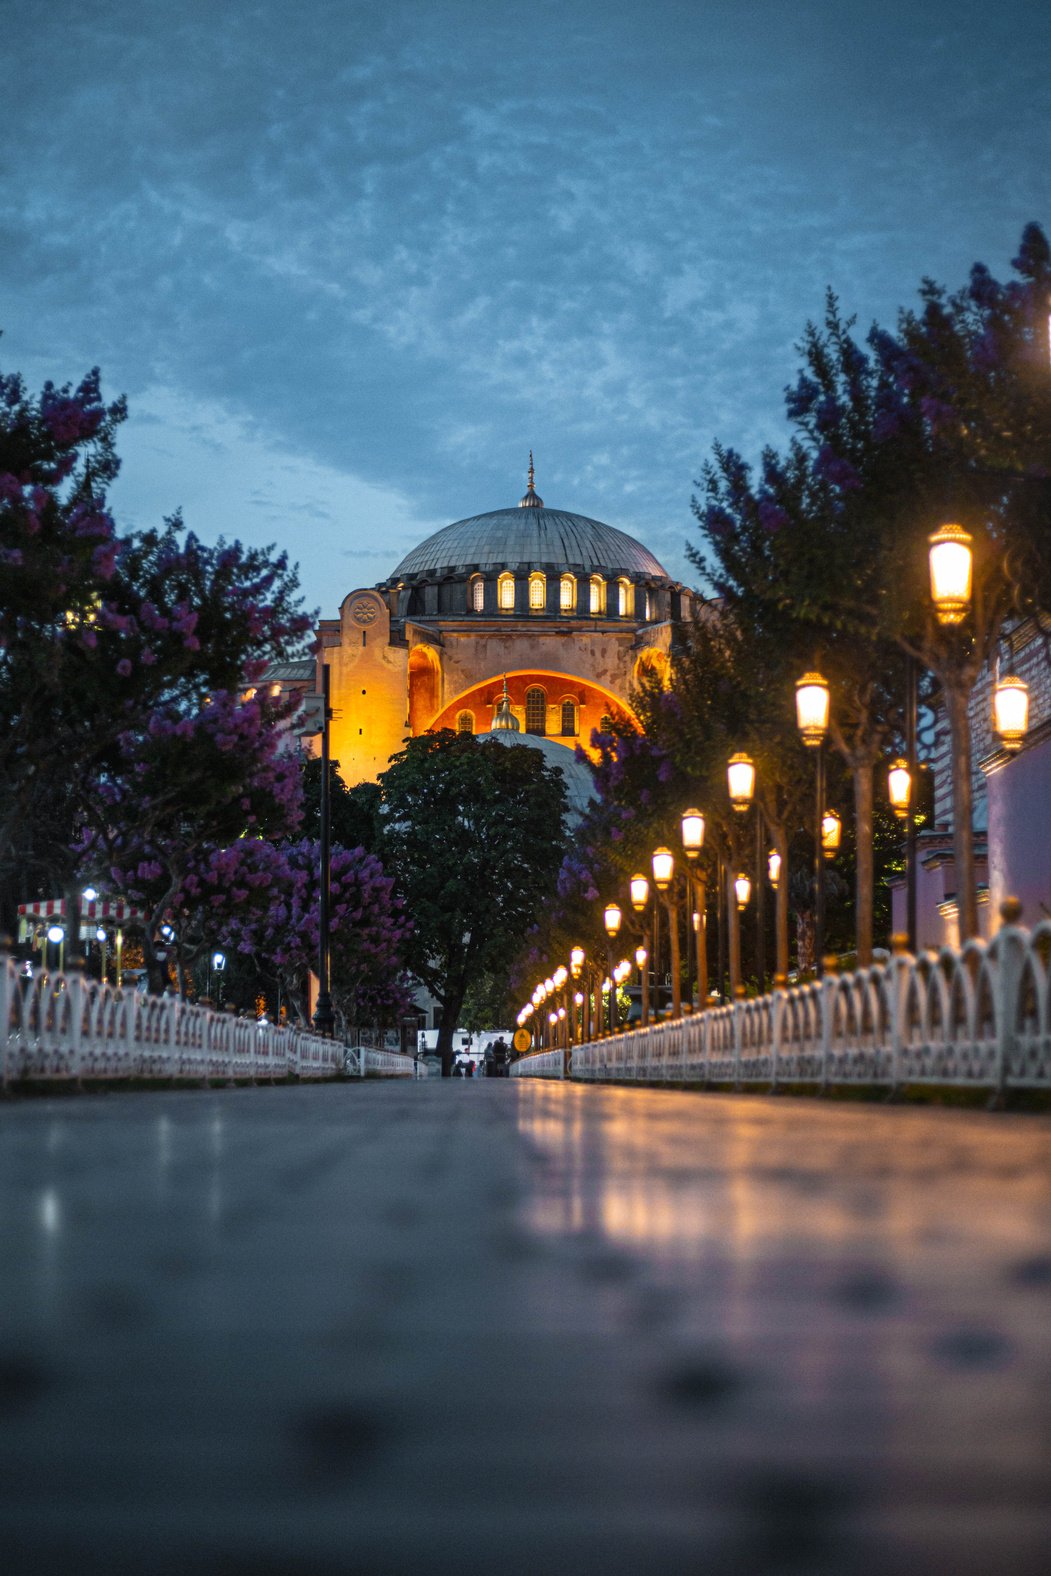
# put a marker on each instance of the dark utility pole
(324, 1020)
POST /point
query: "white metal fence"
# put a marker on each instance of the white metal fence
(66, 1027)
(366, 1061)
(979, 1017)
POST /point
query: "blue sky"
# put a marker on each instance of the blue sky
(350, 261)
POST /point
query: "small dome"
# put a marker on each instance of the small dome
(504, 721)
(576, 774)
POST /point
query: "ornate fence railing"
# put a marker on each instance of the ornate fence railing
(66, 1027)
(978, 1017)
(364, 1061)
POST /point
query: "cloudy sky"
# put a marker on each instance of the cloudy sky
(350, 260)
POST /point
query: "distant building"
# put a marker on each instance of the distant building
(565, 609)
(1012, 808)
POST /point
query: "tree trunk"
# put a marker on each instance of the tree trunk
(864, 896)
(957, 693)
(450, 1006)
(805, 937)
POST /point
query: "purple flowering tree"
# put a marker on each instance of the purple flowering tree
(58, 548)
(280, 931)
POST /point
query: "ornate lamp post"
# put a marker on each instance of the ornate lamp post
(951, 564)
(639, 887)
(813, 703)
(693, 842)
(663, 863)
(611, 918)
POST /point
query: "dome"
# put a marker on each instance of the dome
(580, 785)
(532, 535)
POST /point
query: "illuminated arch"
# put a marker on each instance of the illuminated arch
(592, 701)
(425, 675)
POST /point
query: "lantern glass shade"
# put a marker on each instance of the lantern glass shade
(773, 867)
(640, 893)
(1011, 711)
(951, 561)
(55, 934)
(740, 779)
(561, 1012)
(813, 701)
(831, 832)
(899, 787)
(578, 998)
(692, 833)
(552, 1018)
(576, 961)
(743, 889)
(663, 868)
(549, 986)
(611, 918)
(560, 976)
(696, 919)
(641, 955)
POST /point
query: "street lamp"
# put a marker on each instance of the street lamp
(640, 892)
(773, 867)
(743, 889)
(1011, 711)
(693, 842)
(813, 706)
(951, 562)
(641, 957)
(899, 787)
(663, 868)
(611, 918)
(740, 779)
(576, 961)
(692, 833)
(831, 832)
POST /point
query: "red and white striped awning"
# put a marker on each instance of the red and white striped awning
(116, 909)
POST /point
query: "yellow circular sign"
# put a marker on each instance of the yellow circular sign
(523, 1039)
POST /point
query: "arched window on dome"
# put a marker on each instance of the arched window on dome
(476, 594)
(598, 595)
(465, 722)
(625, 598)
(505, 593)
(606, 723)
(567, 594)
(647, 607)
(536, 710)
(537, 593)
(569, 719)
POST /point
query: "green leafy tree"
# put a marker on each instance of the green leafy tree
(473, 834)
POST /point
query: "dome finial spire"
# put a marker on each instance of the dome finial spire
(532, 499)
(504, 721)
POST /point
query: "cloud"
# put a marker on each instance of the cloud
(373, 253)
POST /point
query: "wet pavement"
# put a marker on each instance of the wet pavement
(517, 1327)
